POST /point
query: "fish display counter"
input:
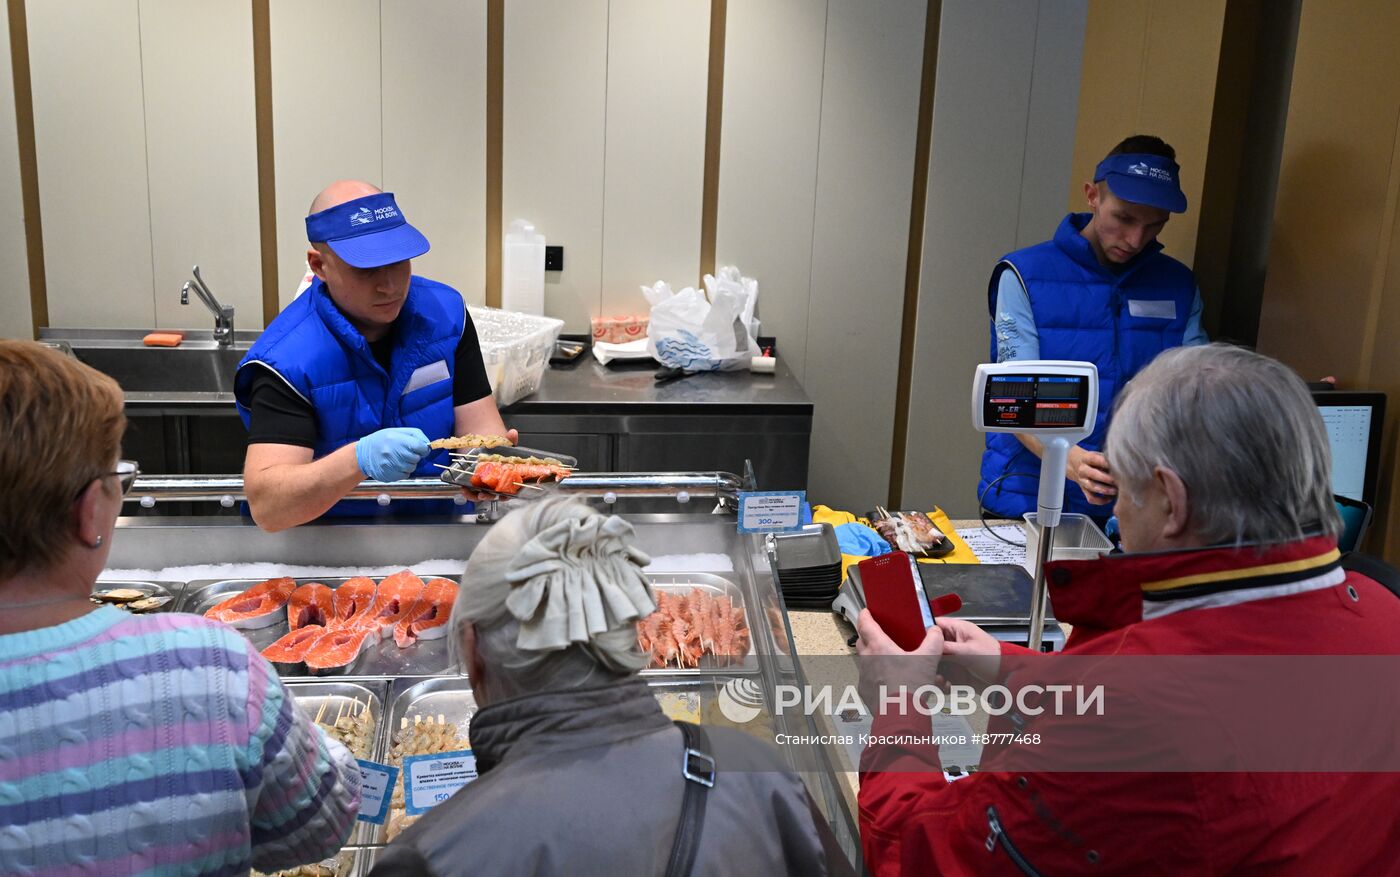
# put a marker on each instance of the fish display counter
(387, 688)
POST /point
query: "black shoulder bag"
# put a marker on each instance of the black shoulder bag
(698, 769)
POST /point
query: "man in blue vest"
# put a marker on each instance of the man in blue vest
(356, 375)
(1100, 291)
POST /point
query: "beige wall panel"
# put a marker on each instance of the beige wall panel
(865, 173)
(554, 111)
(16, 319)
(1150, 69)
(325, 112)
(202, 154)
(768, 158)
(655, 148)
(1332, 297)
(85, 60)
(1337, 155)
(434, 62)
(996, 183)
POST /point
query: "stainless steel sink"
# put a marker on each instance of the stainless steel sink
(165, 369)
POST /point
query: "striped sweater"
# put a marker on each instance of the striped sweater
(159, 744)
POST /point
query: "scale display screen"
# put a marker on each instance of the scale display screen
(1035, 401)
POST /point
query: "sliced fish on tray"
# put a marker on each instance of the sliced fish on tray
(428, 619)
(292, 648)
(396, 597)
(262, 605)
(312, 603)
(340, 646)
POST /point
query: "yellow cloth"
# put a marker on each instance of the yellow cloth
(961, 553)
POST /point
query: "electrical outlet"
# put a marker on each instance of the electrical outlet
(554, 258)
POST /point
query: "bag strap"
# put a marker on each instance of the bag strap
(698, 769)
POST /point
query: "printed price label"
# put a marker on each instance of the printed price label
(428, 780)
(376, 789)
(771, 511)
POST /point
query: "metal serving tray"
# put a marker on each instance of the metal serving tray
(335, 696)
(338, 696)
(698, 699)
(684, 582)
(150, 589)
(447, 696)
(425, 657)
(812, 547)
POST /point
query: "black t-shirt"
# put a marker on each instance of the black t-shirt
(277, 415)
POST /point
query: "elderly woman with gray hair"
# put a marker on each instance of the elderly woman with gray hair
(580, 771)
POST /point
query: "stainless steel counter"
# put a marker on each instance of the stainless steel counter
(613, 419)
(168, 543)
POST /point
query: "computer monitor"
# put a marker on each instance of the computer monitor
(1354, 421)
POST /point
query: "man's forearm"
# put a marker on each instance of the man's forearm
(290, 494)
(1032, 443)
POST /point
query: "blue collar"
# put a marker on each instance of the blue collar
(1078, 248)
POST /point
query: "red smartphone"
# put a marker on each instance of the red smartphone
(893, 596)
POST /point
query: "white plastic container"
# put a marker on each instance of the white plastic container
(1076, 538)
(522, 269)
(515, 348)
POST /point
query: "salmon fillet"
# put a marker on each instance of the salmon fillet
(262, 605)
(312, 603)
(427, 620)
(292, 648)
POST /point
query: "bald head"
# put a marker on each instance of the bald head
(341, 191)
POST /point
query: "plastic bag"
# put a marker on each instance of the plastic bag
(689, 332)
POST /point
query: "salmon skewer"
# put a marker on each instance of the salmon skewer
(427, 620)
(262, 605)
(312, 603)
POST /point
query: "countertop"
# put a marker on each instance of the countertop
(591, 388)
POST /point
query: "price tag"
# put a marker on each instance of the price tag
(376, 789)
(428, 780)
(771, 511)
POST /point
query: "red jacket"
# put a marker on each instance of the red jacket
(1289, 599)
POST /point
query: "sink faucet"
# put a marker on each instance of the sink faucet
(223, 314)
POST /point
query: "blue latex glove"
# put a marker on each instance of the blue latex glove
(391, 454)
(861, 541)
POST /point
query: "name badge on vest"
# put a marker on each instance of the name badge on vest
(427, 374)
(1159, 310)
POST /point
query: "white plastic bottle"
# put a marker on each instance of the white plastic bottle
(522, 269)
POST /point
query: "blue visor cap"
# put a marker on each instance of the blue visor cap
(1154, 180)
(367, 232)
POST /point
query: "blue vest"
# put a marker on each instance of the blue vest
(1118, 320)
(327, 362)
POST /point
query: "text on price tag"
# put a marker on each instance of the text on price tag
(428, 780)
(771, 511)
(376, 788)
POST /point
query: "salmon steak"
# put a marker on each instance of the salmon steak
(339, 646)
(292, 648)
(428, 619)
(262, 605)
(312, 603)
(397, 596)
(351, 601)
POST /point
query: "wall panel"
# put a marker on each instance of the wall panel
(202, 154)
(325, 112)
(85, 59)
(553, 135)
(16, 319)
(654, 161)
(996, 183)
(768, 158)
(865, 171)
(1150, 69)
(1332, 295)
(434, 80)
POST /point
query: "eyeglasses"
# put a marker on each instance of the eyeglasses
(126, 473)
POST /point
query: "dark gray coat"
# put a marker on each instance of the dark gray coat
(588, 782)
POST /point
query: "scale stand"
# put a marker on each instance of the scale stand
(1056, 401)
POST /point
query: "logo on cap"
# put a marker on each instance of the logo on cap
(1143, 169)
(363, 216)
